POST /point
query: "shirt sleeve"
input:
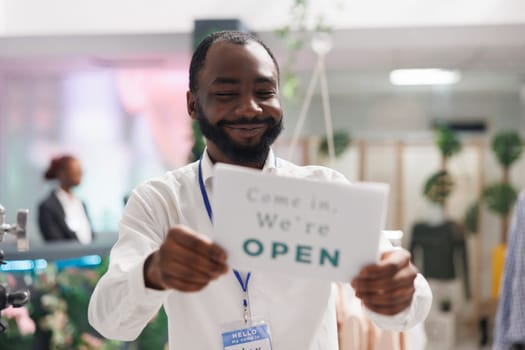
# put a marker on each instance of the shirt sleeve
(121, 305)
(414, 314)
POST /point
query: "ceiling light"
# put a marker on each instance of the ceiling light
(429, 76)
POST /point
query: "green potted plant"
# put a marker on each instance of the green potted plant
(58, 308)
(471, 218)
(341, 142)
(471, 223)
(440, 184)
(501, 196)
(438, 187)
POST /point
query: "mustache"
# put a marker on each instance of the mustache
(248, 121)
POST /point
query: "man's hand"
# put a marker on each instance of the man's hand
(184, 262)
(388, 286)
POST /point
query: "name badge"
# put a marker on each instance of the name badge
(246, 337)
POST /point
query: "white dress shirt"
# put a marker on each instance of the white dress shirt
(300, 313)
(75, 216)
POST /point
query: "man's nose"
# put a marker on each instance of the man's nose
(248, 107)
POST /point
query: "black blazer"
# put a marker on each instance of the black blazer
(52, 220)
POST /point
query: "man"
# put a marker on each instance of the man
(163, 255)
(509, 329)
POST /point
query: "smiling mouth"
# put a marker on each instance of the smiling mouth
(246, 130)
(245, 126)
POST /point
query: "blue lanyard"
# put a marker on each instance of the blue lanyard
(204, 194)
(243, 283)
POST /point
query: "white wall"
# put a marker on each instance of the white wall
(2, 17)
(405, 114)
(28, 17)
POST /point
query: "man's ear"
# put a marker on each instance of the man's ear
(191, 103)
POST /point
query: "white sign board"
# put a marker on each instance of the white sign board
(307, 228)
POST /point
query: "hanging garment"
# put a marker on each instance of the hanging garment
(439, 245)
(355, 330)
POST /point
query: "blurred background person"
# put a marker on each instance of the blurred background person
(509, 330)
(63, 216)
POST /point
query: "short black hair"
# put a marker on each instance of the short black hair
(231, 36)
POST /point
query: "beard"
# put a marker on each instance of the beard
(242, 154)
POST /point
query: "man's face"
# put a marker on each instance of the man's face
(237, 103)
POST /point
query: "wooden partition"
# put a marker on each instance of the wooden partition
(406, 165)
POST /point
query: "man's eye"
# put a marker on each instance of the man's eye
(226, 94)
(266, 93)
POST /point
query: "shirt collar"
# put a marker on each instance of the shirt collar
(60, 193)
(207, 165)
